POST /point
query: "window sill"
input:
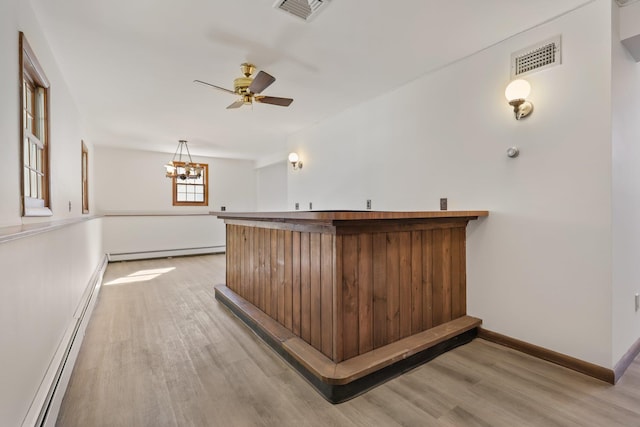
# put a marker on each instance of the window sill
(38, 212)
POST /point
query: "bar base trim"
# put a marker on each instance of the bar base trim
(339, 382)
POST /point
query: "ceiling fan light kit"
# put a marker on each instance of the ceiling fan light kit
(248, 88)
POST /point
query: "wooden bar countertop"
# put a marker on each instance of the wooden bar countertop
(346, 215)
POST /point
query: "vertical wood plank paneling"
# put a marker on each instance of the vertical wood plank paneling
(245, 261)
(393, 288)
(280, 270)
(347, 294)
(456, 277)
(305, 286)
(379, 289)
(274, 273)
(241, 270)
(326, 293)
(416, 282)
(268, 292)
(427, 279)
(229, 248)
(288, 280)
(350, 295)
(365, 293)
(446, 275)
(260, 278)
(338, 326)
(316, 325)
(252, 260)
(462, 302)
(235, 260)
(463, 256)
(256, 267)
(438, 277)
(405, 284)
(231, 251)
(295, 261)
(239, 257)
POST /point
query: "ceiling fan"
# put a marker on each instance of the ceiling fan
(248, 88)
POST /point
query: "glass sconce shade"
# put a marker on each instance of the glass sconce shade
(517, 89)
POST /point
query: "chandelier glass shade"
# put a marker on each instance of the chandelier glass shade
(183, 168)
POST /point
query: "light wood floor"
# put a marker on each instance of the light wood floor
(163, 352)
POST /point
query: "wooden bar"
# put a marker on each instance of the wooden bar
(365, 293)
(295, 273)
(315, 303)
(348, 282)
(305, 288)
(350, 296)
(326, 294)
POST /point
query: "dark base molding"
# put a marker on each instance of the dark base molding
(626, 360)
(590, 369)
(332, 386)
(338, 393)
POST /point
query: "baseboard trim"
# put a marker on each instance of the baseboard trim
(587, 368)
(626, 360)
(46, 404)
(130, 256)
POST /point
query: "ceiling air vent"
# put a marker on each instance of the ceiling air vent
(535, 58)
(303, 9)
(625, 2)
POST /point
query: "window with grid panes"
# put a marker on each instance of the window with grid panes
(35, 133)
(191, 191)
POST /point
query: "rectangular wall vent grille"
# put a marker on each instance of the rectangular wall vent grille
(535, 58)
(625, 2)
(303, 9)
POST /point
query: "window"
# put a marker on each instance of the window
(85, 178)
(34, 103)
(191, 191)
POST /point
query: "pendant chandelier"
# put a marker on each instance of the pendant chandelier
(183, 169)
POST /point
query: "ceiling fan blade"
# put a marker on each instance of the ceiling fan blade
(239, 103)
(214, 86)
(261, 82)
(274, 100)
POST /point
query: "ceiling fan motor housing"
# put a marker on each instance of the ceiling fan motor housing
(241, 85)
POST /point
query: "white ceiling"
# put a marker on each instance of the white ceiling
(130, 65)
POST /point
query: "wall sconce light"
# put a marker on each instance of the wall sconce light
(516, 93)
(295, 161)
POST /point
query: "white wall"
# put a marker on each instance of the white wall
(43, 279)
(43, 276)
(539, 267)
(272, 187)
(66, 129)
(162, 235)
(145, 190)
(9, 114)
(626, 192)
(628, 21)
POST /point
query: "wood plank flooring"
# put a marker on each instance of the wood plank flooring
(160, 351)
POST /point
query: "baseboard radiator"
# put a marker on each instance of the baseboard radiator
(128, 256)
(46, 404)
